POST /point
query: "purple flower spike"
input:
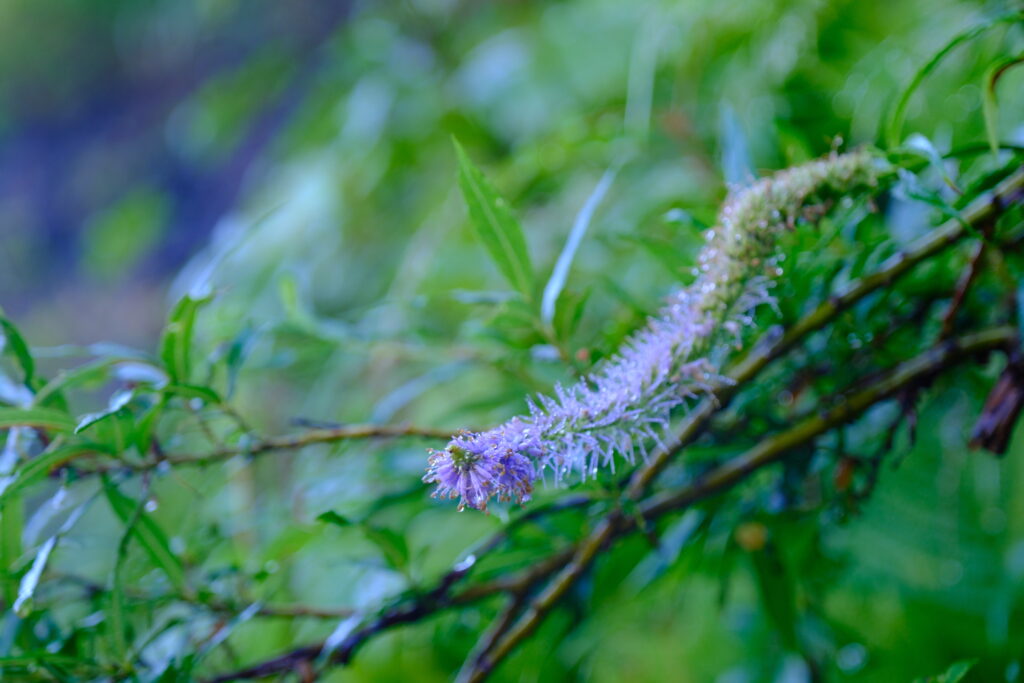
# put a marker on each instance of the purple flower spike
(624, 406)
(475, 467)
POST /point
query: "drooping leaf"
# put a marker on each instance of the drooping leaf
(989, 103)
(895, 125)
(495, 225)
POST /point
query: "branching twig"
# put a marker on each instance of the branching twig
(711, 483)
(981, 211)
(574, 560)
(736, 470)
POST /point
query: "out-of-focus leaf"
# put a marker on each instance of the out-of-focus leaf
(989, 103)
(41, 465)
(392, 545)
(736, 164)
(670, 544)
(778, 594)
(954, 674)
(11, 341)
(23, 604)
(235, 356)
(89, 373)
(560, 273)
(12, 526)
(569, 313)
(27, 588)
(332, 517)
(919, 144)
(149, 534)
(205, 394)
(118, 401)
(142, 435)
(895, 125)
(42, 418)
(176, 343)
(496, 225)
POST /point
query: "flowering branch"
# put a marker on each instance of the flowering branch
(717, 480)
(983, 210)
(734, 471)
(772, 345)
(627, 402)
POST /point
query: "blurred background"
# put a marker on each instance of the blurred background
(296, 159)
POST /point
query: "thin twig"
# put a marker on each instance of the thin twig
(289, 442)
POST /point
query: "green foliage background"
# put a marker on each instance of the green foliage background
(346, 285)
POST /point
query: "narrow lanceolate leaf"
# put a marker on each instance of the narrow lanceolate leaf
(116, 403)
(23, 604)
(43, 418)
(990, 105)
(27, 589)
(41, 465)
(148, 533)
(12, 522)
(556, 282)
(496, 225)
(176, 343)
(14, 344)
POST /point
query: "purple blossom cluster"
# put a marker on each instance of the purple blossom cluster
(623, 407)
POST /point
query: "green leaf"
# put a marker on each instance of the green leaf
(559, 274)
(149, 534)
(176, 343)
(14, 343)
(895, 125)
(118, 401)
(12, 525)
(954, 674)
(392, 545)
(778, 594)
(40, 466)
(89, 373)
(569, 313)
(99, 371)
(495, 225)
(989, 105)
(42, 418)
(332, 517)
(205, 394)
(27, 588)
